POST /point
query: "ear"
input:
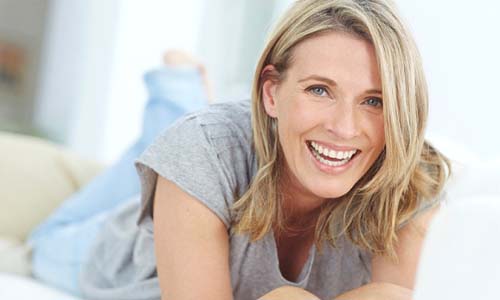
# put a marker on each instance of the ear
(269, 77)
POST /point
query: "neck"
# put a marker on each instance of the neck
(301, 210)
(299, 219)
(298, 202)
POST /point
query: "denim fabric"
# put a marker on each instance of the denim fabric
(61, 242)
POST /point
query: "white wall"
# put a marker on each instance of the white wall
(233, 36)
(98, 51)
(91, 93)
(145, 30)
(74, 82)
(460, 45)
(93, 99)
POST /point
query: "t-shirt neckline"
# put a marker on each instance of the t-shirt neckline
(306, 269)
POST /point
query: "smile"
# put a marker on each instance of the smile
(331, 157)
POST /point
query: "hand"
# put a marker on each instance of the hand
(378, 291)
(289, 293)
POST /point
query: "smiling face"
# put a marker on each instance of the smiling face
(329, 110)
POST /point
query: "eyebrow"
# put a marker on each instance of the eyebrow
(333, 83)
(320, 78)
(373, 91)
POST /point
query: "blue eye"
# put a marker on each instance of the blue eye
(318, 90)
(373, 101)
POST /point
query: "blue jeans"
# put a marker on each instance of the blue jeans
(61, 242)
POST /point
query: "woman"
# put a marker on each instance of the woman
(309, 194)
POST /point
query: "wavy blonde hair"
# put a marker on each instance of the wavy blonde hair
(407, 173)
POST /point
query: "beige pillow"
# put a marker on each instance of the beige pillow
(35, 176)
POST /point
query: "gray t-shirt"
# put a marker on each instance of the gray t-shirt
(209, 155)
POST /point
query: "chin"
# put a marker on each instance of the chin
(328, 192)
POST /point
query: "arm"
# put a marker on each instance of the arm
(408, 248)
(191, 245)
(289, 293)
(392, 280)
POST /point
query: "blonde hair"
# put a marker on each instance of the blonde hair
(408, 172)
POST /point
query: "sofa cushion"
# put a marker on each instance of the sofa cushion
(18, 287)
(35, 176)
(14, 256)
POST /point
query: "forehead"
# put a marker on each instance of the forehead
(334, 54)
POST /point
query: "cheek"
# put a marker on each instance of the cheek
(295, 121)
(378, 135)
(295, 116)
(303, 115)
(372, 130)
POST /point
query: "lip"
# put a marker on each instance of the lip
(332, 170)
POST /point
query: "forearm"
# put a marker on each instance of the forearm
(377, 291)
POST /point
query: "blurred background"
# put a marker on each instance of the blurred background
(71, 71)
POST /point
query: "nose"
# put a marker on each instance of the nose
(342, 121)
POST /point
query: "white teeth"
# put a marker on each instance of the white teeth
(332, 153)
(329, 162)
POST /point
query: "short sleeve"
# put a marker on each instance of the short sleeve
(184, 155)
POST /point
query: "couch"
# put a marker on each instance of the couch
(36, 176)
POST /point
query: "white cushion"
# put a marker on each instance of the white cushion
(460, 256)
(14, 256)
(23, 288)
